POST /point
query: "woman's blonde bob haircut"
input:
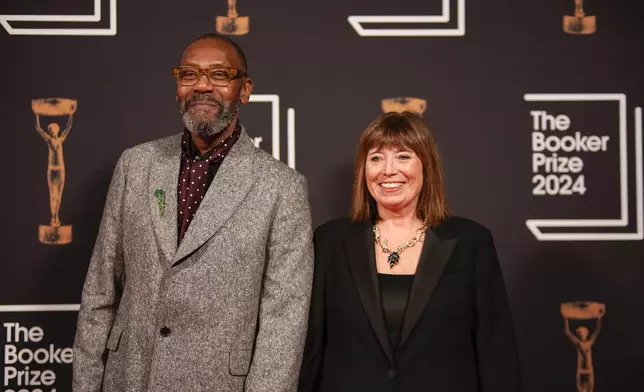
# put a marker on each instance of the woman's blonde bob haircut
(404, 130)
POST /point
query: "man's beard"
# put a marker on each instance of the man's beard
(200, 123)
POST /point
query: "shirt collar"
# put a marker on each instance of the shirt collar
(191, 152)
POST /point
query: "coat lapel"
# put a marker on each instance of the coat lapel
(433, 258)
(162, 193)
(229, 187)
(362, 263)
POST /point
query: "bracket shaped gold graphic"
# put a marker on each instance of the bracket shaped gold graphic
(579, 24)
(232, 23)
(55, 233)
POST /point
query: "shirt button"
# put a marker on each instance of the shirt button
(391, 373)
(165, 331)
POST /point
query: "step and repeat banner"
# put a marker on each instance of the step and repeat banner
(536, 107)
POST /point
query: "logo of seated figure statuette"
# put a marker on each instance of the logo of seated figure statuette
(55, 233)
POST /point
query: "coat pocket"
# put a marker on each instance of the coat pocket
(114, 338)
(239, 362)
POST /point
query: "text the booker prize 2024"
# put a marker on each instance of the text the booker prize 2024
(17, 372)
(556, 173)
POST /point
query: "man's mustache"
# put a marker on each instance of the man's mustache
(202, 97)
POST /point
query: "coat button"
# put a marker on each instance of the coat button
(165, 331)
(391, 373)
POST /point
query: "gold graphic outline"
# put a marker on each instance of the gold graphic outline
(232, 23)
(583, 339)
(401, 104)
(55, 233)
(579, 23)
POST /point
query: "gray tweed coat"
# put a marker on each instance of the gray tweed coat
(226, 310)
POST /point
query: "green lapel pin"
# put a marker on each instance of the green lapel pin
(160, 195)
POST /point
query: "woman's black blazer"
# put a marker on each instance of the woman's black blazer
(457, 333)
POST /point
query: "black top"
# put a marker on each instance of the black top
(394, 290)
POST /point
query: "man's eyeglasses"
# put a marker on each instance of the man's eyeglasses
(221, 77)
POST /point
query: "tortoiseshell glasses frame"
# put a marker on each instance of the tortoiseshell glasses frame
(219, 76)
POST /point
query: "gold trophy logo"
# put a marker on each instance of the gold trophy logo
(415, 105)
(54, 233)
(579, 23)
(232, 23)
(586, 315)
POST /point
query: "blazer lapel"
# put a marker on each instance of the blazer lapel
(229, 187)
(433, 258)
(362, 263)
(162, 193)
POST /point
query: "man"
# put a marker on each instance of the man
(201, 275)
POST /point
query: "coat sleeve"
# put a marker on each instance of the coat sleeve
(496, 350)
(101, 291)
(285, 298)
(316, 333)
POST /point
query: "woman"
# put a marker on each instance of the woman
(405, 297)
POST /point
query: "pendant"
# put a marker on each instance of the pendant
(393, 259)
